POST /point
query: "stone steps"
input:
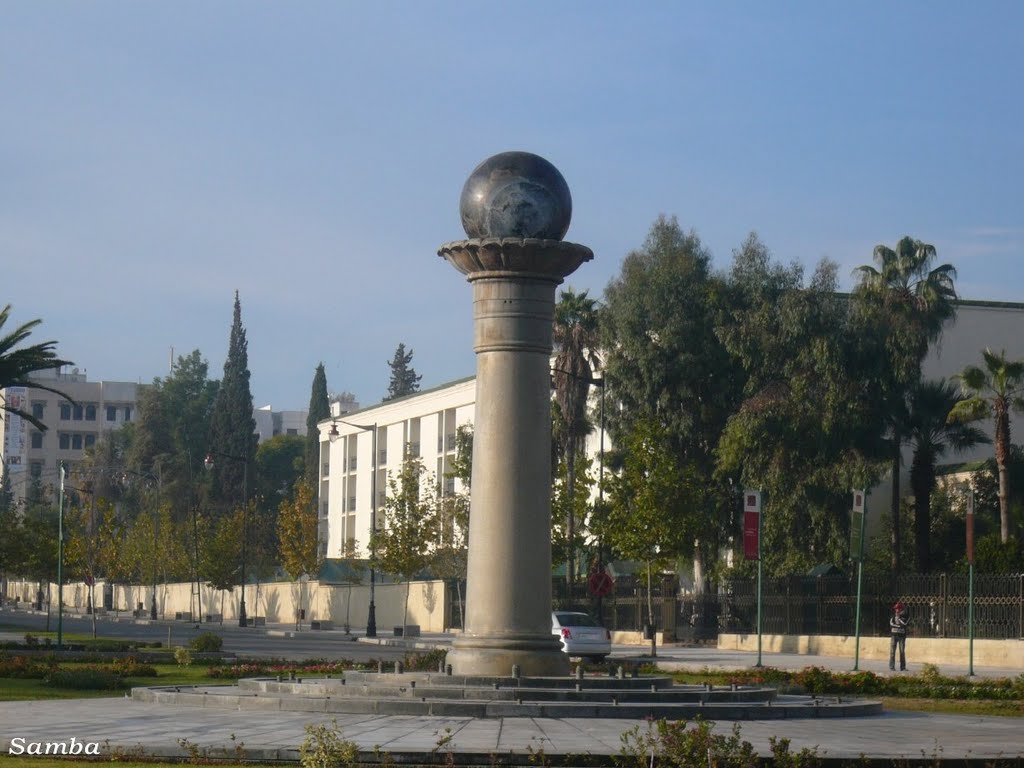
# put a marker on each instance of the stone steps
(441, 695)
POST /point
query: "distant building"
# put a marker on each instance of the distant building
(99, 407)
(270, 423)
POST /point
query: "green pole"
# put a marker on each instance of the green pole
(60, 563)
(860, 575)
(760, 561)
(970, 620)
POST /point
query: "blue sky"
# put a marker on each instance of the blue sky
(157, 156)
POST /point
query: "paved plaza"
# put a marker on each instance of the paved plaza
(127, 725)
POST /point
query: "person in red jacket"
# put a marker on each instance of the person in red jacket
(898, 635)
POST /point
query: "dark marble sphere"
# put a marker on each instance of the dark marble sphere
(516, 194)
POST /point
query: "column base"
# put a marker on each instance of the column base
(536, 656)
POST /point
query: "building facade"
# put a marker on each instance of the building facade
(270, 423)
(359, 450)
(73, 425)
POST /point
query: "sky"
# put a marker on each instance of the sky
(155, 157)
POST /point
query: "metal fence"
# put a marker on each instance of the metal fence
(826, 605)
(805, 605)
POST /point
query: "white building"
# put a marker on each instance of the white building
(99, 407)
(424, 425)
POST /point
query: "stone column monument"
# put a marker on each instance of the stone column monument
(515, 209)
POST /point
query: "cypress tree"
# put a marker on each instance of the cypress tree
(404, 379)
(232, 428)
(319, 409)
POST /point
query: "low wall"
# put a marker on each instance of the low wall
(277, 602)
(930, 650)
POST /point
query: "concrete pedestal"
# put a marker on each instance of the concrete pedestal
(508, 593)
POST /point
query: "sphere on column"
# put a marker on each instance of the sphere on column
(516, 194)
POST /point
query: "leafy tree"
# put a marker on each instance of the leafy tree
(666, 365)
(576, 340)
(931, 434)
(11, 543)
(985, 482)
(222, 551)
(992, 392)
(319, 409)
(299, 536)
(279, 465)
(232, 427)
(808, 426)
(648, 519)
(404, 543)
(18, 364)
(907, 301)
(449, 558)
(565, 540)
(404, 379)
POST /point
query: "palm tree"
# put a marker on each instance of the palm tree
(17, 365)
(913, 301)
(993, 392)
(932, 435)
(576, 338)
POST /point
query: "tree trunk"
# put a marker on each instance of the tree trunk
(570, 518)
(650, 608)
(1002, 454)
(896, 504)
(922, 481)
(405, 614)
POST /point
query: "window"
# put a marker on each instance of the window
(37, 410)
(323, 509)
(127, 413)
(36, 469)
(76, 442)
(37, 439)
(90, 413)
(449, 486)
(383, 456)
(414, 449)
(65, 411)
(291, 432)
(351, 503)
(90, 440)
(111, 413)
(78, 411)
(326, 470)
(352, 464)
(64, 441)
(450, 440)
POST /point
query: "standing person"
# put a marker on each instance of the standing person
(898, 631)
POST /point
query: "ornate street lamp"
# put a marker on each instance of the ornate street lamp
(371, 617)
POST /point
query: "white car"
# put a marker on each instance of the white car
(581, 635)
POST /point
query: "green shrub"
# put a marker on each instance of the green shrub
(207, 642)
(182, 657)
(424, 662)
(85, 679)
(129, 667)
(25, 668)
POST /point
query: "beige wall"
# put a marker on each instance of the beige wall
(276, 601)
(931, 650)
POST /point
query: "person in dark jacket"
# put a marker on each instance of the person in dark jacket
(898, 634)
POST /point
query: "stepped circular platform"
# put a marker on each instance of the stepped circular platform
(423, 693)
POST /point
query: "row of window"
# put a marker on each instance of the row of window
(87, 412)
(73, 441)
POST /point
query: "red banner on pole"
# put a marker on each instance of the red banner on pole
(751, 525)
(970, 529)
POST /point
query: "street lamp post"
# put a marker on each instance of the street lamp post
(371, 616)
(60, 564)
(158, 478)
(243, 619)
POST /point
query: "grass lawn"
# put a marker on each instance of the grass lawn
(22, 761)
(12, 689)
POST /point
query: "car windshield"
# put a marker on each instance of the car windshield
(575, 620)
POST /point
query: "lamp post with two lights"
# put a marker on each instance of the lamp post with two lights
(334, 434)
